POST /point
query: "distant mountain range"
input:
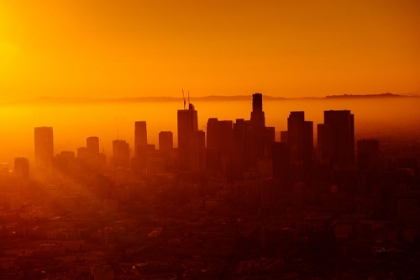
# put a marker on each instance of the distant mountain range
(210, 98)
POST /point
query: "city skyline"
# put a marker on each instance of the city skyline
(224, 139)
(243, 142)
(110, 121)
(108, 49)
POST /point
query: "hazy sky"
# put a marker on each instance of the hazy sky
(109, 48)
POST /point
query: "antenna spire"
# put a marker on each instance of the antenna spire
(183, 97)
(188, 98)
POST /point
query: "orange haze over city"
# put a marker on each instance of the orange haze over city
(209, 139)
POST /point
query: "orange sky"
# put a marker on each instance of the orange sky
(108, 48)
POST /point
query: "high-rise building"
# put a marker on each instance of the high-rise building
(44, 146)
(281, 161)
(92, 145)
(120, 154)
(300, 139)
(270, 138)
(166, 149)
(187, 122)
(367, 154)
(336, 138)
(241, 146)
(166, 141)
(257, 130)
(219, 141)
(284, 136)
(213, 137)
(140, 136)
(197, 151)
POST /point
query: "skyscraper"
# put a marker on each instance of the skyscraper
(281, 161)
(166, 141)
(197, 151)
(300, 139)
(336, 138)
(120, 154)
(44, 146)
(241, 146)
(257, 130)
(187, 122)
(166, 148)
(92, 145)
(219, 141)
(140, 136)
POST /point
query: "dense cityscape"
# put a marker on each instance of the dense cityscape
(227, 203)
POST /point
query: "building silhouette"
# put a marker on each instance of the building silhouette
(241, 147)
(281, 161)
(166, 148)
(92, 145)
(270, 138)
(284, 136)
(166, 141)
(187, 122)
(257, 130)
(44, 146)
(336, 138)
(140, 133)
(197, 151)
(120, 154)
(300, 141)
(220, 142)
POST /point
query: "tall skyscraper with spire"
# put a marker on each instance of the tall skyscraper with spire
(187, 122)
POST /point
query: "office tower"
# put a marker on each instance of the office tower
(197, 151)
(187, 122)
(213, 137)
(336, 138)
(225, 137)
(300, 139)
(120, 154)
(140, 136)
(92, 145)
(21, 167)
(241, 146)
(281, 161)
(44, 146)
(257, 139)
(166, 141)
(284, 136)
(368, 154)
(270, 138)
(213, 144)
(219, 142)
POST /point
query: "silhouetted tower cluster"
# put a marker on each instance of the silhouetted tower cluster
(234, 149)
